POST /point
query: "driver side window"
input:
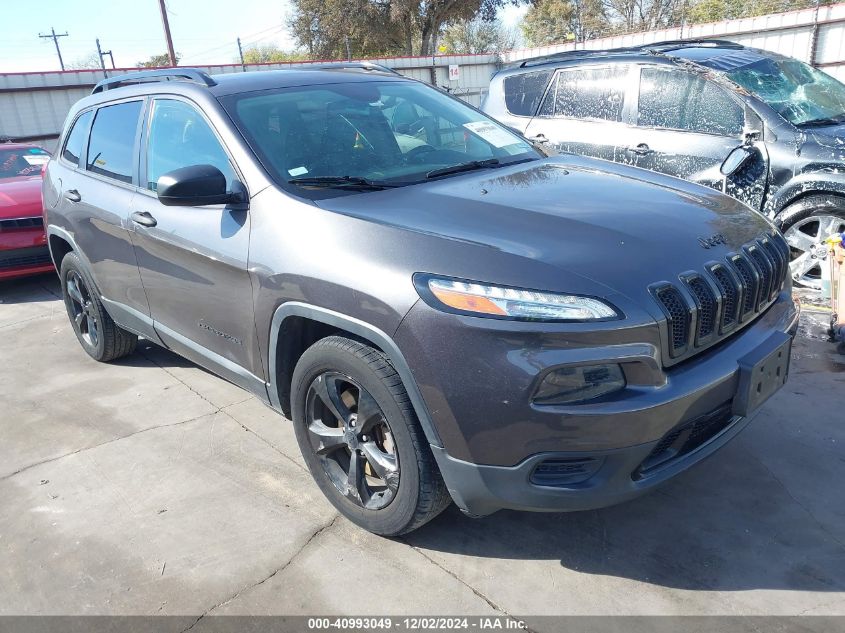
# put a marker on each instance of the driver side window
(179, 137)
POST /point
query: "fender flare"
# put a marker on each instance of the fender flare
(362, 329)
(802, 186)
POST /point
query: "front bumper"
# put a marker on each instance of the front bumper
(491, 462)
(23, 252)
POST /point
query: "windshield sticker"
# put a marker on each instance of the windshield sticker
(297, 171)
(496, 136)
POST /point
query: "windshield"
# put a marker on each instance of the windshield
(22, 161)
(323, 140)
(799, 93)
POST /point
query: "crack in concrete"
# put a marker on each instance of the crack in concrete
(279, 570)
(475, 591)
(93, 446)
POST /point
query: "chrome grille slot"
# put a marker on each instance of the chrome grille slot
(766, 270)
(750, 284)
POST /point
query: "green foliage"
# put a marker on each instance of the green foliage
(158, 61)
(476, 36)
(263, 53)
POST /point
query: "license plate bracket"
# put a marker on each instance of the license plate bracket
(762, 372)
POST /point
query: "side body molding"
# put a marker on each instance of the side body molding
(365, 331)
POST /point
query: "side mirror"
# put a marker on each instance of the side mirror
(736, 159)
(194, 186)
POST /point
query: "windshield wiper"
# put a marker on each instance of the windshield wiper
(469, 166)
(834, 120)
(338, 182)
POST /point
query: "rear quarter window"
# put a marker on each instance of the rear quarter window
(523, 92)
(76, 138)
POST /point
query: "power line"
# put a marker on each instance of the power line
(55, 37)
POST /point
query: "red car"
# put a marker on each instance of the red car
(23, 243)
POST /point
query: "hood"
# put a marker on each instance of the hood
(619, 226)
(830, 137)
(20, 197)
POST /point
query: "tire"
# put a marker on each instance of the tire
(100, 337)
(401, 487)
(805, 225)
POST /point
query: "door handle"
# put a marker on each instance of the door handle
(143, 218)
(73, 195)
(640, 150)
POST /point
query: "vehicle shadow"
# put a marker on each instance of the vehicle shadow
(33, 289)
(728, 524)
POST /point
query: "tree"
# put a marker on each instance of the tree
(158, 61)
(477, 36)
(557, 21)
(381, 27)
(263, 53)
(91, 60)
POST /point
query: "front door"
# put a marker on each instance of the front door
(193, 260)
(687, 125)
(585, 112)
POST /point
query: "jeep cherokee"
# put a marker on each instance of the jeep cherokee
(443, 312)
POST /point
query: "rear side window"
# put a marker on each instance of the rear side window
(112, 143)
(523, 92)
(679, 100)
(588, 93)
(76, 139)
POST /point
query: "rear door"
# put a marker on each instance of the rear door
(193, 260)
(96, 175)
(585, 111)
(686, 127)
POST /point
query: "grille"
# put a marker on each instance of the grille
(24, 257)
(730, 296)
(707, 306)
(686, 438)
(728, 293)
(677, 317)
(21, 223)
(766, 270)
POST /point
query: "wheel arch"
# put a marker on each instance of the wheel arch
(296, 326)
(802, 188)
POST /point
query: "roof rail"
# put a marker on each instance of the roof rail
(654, 47)
(162, 74)
(659, 47)
(366, 66)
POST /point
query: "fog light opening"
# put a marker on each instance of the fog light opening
(571, 385)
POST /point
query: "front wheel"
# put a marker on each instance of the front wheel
(806, 225)
(361, 440)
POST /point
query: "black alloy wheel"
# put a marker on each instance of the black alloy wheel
(83, 312)
(352, 439)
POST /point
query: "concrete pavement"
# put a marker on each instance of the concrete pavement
(150, 486)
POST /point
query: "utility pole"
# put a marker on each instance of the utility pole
(167, 35)
(241, 53)
(102, 54)
(55, 37)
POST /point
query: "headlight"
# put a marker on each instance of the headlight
(568, 385)
(469, 297)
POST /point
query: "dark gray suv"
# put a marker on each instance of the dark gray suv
(443, 312)
(683, 108)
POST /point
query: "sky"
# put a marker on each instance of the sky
(204, 31)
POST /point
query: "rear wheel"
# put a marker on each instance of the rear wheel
(99, 335)
(806, 225)
(361, 440)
